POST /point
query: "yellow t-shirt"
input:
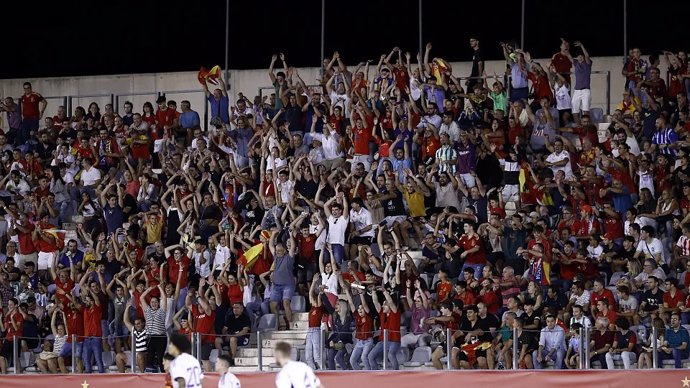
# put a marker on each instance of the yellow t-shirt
(415, 204)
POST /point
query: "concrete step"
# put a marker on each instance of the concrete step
(270, 343)
(251, 361)
(254, 352)
(295, 317)
(285, 334)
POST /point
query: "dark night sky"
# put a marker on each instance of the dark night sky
(82, 37)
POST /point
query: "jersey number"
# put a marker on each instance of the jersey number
(193, 379)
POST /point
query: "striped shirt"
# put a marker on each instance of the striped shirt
(444, 154)
(141, 340)
(155, 321)
(665, 136)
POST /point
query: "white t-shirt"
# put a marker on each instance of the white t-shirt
(90, 176)
(229, 380)
(202, 269)
(562, 94)
(297, 374)
(557, 157)
(362, 219)
(651, 249)
(336, 230)
(221, 257)
(341, 100)
(187, 367)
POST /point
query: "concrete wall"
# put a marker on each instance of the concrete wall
(246, 81)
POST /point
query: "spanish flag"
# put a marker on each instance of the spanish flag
(211, 76)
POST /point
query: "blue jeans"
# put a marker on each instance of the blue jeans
(313, 348)
(677, 355)
(361, 352)
(93, 347)
(557, 356)
(338, 252)
(377, 353)
(336, 356)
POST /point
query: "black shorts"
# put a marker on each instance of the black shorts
(7, 350)
(206, 351)
(359, 240)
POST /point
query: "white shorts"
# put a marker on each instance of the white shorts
(45, 260)
(364, 159)
(582, 98)
(469, 180)
(390, 220)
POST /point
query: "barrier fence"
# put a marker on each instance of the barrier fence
(515, 355)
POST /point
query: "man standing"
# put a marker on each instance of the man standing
(283, 278)
(477, 64)
(219, 102)
(293, 374)
(337, 216)
(33, 105)
(551, 344)
(155, 315)
(582, 96)
(93, 345)
(185, 371)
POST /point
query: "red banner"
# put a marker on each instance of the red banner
(671, 378)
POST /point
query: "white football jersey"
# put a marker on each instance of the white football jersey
(297, 374)
(187, 367)
(228, 380)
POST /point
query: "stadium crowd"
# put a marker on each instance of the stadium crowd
(526, 215)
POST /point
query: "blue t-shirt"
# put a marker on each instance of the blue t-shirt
(220, 108)
(583, 72)
(676, 338)
(190, 119)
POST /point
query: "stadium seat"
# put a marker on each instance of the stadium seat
(298, 304)
(108, 358)
(213, 357)
(268, 322)
(420, 356)
(403, 355)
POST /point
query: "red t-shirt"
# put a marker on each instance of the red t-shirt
(19, 320)
(174, 267)
(315, 316)
(45, 246)
(235, 293)
(443, 290)
(92, 321)
(614, 226)
(605, 294)
(204, 324)
(390, 321)
(467, 243)
(26, 243)
(29, 104)
(568, 271)
(610, 315)
(75, 324)
(562, 64)
(67, 287)
(491, 300)
(364, 327)
(674, 301)
(467, 298)
(165, 117)
(361, 140)
(307, 246)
